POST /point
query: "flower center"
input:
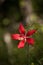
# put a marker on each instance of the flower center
(23, 37)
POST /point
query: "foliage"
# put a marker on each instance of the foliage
(20, 55)
(12, 14)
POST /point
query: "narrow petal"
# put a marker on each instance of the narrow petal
(16, 36)
(31, 32)
(21, 29)
(30, 41)
(21, 44)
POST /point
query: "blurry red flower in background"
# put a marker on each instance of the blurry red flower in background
(23, 36)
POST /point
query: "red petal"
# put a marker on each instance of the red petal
(15, 36)
(21, 44)
(31, 32)
(21, 29)
(30, 41)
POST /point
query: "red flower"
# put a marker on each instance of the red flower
(23, 36)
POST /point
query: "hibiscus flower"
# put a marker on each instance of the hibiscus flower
(23, 36)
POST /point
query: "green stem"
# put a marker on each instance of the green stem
(27, 55)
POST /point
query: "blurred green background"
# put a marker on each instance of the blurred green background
(30, 14)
